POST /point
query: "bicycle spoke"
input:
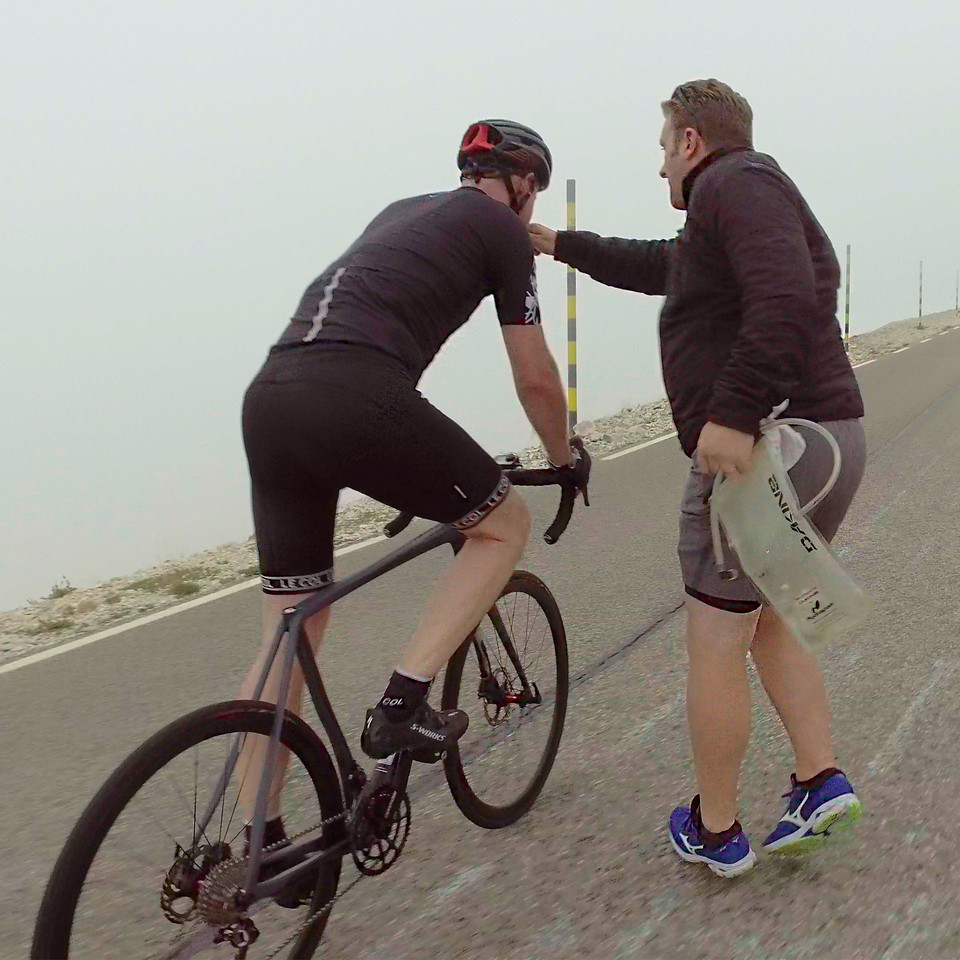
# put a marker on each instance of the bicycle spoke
(134, 887)
(512, 737)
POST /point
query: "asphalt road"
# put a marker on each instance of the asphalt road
(588, 873)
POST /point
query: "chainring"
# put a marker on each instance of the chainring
(379, 829)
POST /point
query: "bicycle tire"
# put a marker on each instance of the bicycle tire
(496, 815)
(55, 918)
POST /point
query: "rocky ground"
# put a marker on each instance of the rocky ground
(67, 613)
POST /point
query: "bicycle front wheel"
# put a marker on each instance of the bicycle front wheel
(511, 677)
(113, 890)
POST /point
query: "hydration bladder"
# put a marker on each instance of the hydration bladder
(778, 547)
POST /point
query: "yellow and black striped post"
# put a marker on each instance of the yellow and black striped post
(921, 290)
(572, 311)
(846, 308)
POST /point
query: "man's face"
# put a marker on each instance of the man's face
(680, 155)
(526, 190)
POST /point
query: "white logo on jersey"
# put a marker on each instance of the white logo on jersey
(532, 304)
(324, 307)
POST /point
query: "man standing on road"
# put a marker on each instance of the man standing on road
(749, 321)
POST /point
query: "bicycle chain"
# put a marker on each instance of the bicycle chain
(221, 883)
(228, 867)
(328, 905)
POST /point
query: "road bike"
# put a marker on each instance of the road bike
(159, 864)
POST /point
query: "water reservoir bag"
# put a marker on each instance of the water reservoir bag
(780, 549)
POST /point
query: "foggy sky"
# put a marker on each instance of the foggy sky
(172, 176)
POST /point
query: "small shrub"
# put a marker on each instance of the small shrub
(60, 589)
(166, 582)
(113, 598)
(252, 571)
(183, 588)
(49, 625)
(88, 605)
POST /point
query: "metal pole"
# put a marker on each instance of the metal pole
(572, 311)
(921, 290)
(846, 308)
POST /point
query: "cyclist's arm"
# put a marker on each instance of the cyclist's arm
(639, 265)
(539, 388)
(535, 374)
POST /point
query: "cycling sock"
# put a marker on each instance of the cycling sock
(402, 696)
(273, 832)
(711, 840)
(819, 780)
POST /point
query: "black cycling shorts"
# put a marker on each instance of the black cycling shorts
(320, 418)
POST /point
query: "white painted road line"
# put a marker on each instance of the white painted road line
(893, 747)
(927, 340)
(153, 617)
(900, 350)
(640, 446)
(857, 366)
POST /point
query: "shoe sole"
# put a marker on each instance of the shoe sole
(726, 871)
(835, 816)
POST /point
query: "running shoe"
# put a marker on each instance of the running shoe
(729, 857)
(812, 812)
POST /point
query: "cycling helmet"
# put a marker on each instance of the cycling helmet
(504, 147)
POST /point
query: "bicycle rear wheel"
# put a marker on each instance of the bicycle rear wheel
(511, 676)
(109, 895)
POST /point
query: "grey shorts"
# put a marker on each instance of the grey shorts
(701, 578)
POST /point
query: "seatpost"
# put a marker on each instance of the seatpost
(292, 625)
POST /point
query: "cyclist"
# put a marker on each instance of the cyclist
(336, 405)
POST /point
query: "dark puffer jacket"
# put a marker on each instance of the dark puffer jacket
(751, 286)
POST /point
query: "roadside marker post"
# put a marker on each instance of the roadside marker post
(572, 312)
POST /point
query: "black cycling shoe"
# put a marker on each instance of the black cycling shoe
(427, 732)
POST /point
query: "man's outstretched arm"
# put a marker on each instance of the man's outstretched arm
(639, 265)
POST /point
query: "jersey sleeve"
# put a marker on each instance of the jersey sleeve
(512, 274)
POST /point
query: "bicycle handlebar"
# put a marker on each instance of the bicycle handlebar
(537, 477)
(398, 524)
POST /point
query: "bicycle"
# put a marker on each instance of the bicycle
(210, 893)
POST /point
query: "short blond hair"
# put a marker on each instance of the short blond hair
(716, 111)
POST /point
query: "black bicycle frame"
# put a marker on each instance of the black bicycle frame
(351, 774)
(294, 617)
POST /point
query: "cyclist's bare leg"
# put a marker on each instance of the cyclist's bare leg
(253, 755)
(794, 682)
(718, 705)
(469, 587)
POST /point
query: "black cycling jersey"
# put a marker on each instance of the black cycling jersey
(417, 273)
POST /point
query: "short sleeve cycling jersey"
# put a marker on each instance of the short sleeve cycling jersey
(417, 273)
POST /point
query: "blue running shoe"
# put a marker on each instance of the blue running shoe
(731, 858)
(812, 811)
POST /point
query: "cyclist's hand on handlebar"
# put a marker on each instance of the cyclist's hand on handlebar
(578, 470)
